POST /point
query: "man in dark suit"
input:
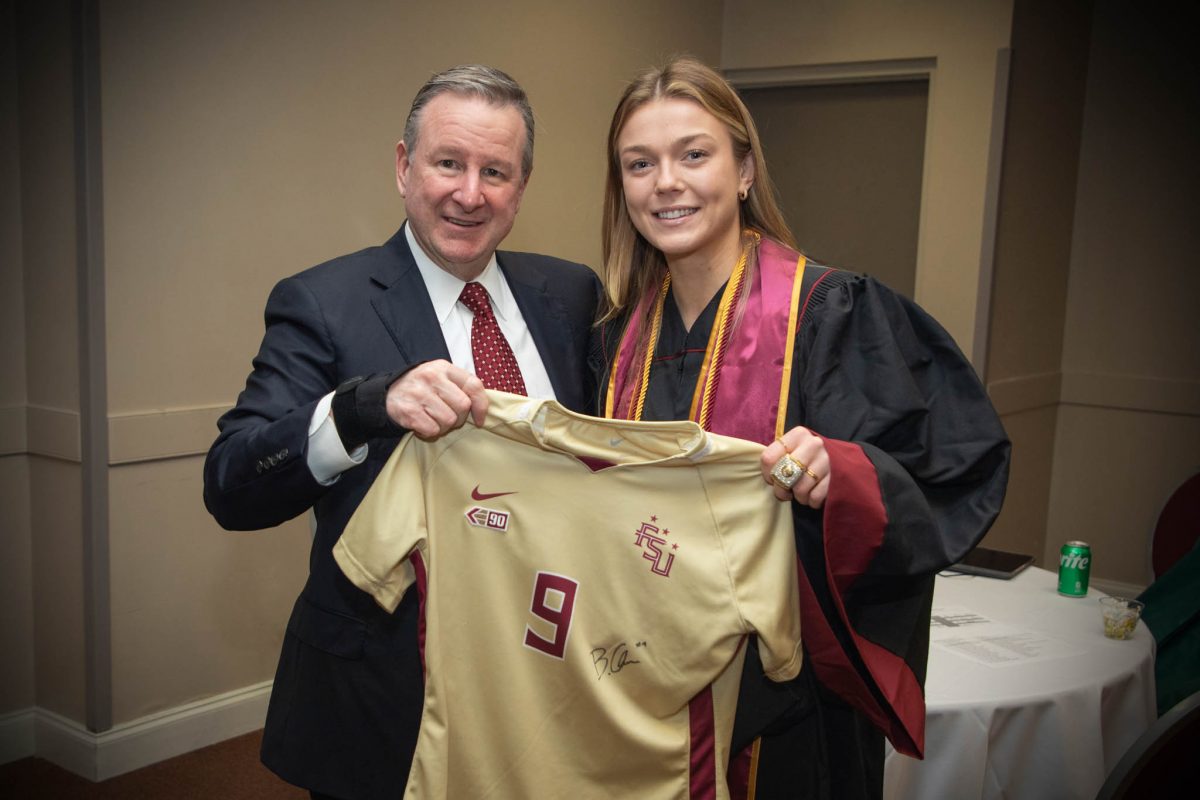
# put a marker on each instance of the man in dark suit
(359, 351)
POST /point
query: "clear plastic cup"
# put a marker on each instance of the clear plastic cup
(1120, 616)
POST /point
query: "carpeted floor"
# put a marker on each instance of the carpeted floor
(229, 770)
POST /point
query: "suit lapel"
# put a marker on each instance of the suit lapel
(548, 325)
(404, 306)
(406, 311)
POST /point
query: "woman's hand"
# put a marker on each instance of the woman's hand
(807, 467)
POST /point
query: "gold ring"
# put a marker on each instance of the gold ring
(787, 471)
(812, 475)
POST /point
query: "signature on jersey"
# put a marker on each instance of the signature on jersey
(611, 660)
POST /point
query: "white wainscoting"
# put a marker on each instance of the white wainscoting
(135, 744)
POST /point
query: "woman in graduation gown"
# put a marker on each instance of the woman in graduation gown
(877, 429)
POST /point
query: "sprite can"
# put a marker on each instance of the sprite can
(1074, 567)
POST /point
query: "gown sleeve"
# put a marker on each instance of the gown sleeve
(918, 469)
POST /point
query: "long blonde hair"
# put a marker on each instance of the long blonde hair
(632, 264)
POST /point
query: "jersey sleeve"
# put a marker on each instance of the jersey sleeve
(756, 534)
(390, 525)
(918, 469)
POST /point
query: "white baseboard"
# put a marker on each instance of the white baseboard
(16, 735)
(131, 745)
(1116, 588)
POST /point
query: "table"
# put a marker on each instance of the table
(1025, 696)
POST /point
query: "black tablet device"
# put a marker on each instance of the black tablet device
(992, 563)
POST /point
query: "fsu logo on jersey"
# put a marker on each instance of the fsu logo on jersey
(482, 517)
(653, 541)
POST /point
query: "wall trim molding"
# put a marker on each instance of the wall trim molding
(93, 365)
(899, 69)
(158, 435)
(136, 744)
(1116, 588)
(53, 433)
(142, 436)
(1026, 393)
(1131, 392)
(14, 431)
(991, 214)
(1100, 390)
(17, 739)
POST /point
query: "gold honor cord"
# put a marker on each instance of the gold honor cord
(635, 408)
(713, 357)
(714, 354)
(789, 346)
(651, 346)
(752, 782)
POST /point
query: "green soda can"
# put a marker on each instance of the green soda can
(1074, 567)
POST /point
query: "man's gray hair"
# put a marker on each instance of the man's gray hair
(474, 80)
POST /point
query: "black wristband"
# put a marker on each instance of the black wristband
(360, 410)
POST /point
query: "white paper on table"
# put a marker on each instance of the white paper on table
(969, 634)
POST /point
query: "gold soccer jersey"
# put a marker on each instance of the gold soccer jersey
(587, 588)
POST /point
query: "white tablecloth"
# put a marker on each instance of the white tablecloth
(1034, 702)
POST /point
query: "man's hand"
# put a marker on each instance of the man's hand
(434, 398)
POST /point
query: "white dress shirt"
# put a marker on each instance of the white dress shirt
(328, 459)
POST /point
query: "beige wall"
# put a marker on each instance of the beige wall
(195, 611)
(242, 144)
(1102, 496)
(1095, 354)
(48, 429)
(229, 166)
(17, 684)
(1032, 259)
(16, 556)
(846, 160)
(47, 174)
(963, 39)
(12, 292)
(58, 612)
(1129, 427)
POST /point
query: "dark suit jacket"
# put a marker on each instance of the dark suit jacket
(346, 703)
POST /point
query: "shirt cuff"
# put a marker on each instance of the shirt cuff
(327, 457)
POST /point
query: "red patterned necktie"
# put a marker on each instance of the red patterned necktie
(495, 363)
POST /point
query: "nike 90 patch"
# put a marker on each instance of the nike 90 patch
(489, 518)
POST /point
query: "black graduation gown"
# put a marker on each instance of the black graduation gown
(873, 370)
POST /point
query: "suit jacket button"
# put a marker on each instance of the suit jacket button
(260, 466)
(283, 454)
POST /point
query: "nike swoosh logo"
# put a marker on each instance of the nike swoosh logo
(478, 495)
